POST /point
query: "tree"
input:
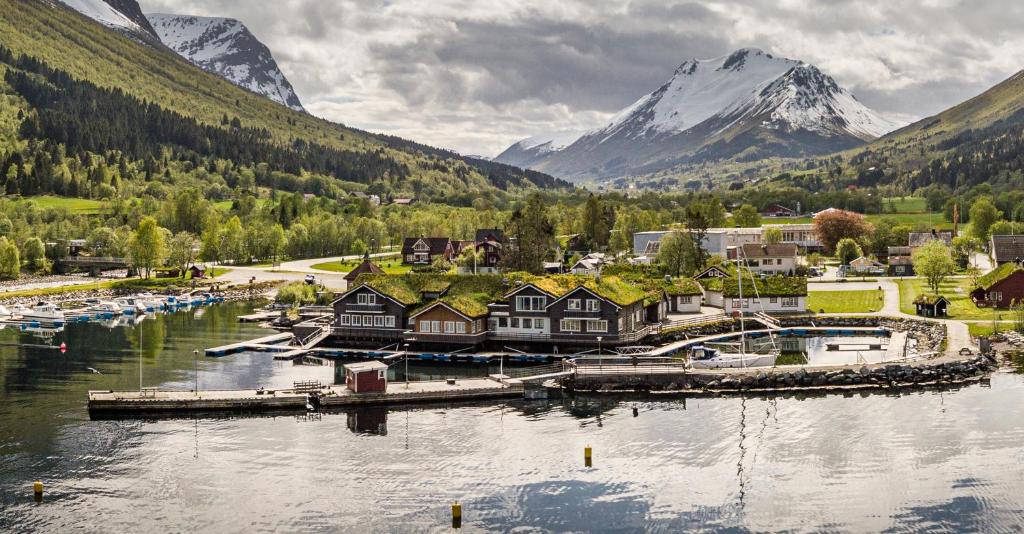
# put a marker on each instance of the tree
(232, 241)
(832, 226)
(10, 263)
(699, 217)
(35, 255)
(596, 230)
(101, 241)
(934, 262)
(147, 247)
(746, 217)
(963, 247)
(532, 236)
(471, 257)
(847, 250)
(212, 246)
(275, 242)
(181, 251)
(772, 236)
(983, 215)
(676, 253)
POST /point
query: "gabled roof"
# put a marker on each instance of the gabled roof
(436, 245)
(610, 288)
(715, 271)
(371, 365)
(930, 300)
(778, 250)
(486, 234)
(870, 261)
(998, 274)
(1007, 248)
(366, 267)
(899, 251)
(918, 239)
(900, 260)
(470, 307)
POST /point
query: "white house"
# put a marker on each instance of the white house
(801, 235)
(865, 265)
(779, 258)
(589, 264)
(775, 294)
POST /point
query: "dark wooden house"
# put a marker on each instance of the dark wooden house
(932, 305)
(367, 314)
(583, 314)
(424, 250)
(457, 321)
(367, 266)
(522, 314)
(900, 266)
(1006, 248)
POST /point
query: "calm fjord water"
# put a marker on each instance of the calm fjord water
(949, 461)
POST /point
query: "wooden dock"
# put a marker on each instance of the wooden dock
(150, 401)
(274, 342)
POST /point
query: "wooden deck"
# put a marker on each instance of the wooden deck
(158, 401)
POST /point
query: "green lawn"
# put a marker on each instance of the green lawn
(864, 301)
(957, 290)
(79, 206)
(936, 220)
(391, 265)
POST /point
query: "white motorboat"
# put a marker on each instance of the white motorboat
(702, 357)
(43, 312)
(150, 302)
(129, 306)
(103, 306)
(4, 311)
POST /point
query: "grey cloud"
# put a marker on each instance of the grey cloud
(475, 75)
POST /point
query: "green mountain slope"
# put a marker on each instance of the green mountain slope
(67, 41)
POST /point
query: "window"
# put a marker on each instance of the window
(735, 303)
(995, 296)
(531, 303)
(410, 258)
(344, 320)
(378, 321)
(789, 302)
(503, 322)
(570, 325)
(593, 305)
(389, 321)
(574, 304)
(597, 326)
(527, 322)
(435, 327)
(367, 320)
(366, 298)
(688, 299)
(380, 374)
(515, 322)
(449, 327)
(460, 328)
(539, 323)
(773, 300)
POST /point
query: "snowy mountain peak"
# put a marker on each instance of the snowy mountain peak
(747, 104)
(122, 15)
(227, 48)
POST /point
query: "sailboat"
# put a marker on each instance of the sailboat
(703, 357)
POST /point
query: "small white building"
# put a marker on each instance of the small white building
(801, 235)
(866, 265)
(590, 264)
(779, 258)
(774, 294)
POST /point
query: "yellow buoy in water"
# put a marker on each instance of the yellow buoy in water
(588, 456)
(456, 515)
(37, 489)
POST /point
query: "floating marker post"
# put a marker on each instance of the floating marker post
(588, 456)
(37, 489)
(456, 515)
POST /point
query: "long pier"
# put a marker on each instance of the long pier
(151, 400)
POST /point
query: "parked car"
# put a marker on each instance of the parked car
(310, 279)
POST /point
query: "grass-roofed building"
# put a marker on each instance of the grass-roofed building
(1001, 287)
(771, 294)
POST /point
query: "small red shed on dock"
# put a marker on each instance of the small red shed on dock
(366, 377)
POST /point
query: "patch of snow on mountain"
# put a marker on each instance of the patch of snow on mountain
(99, 11)
(549, 142)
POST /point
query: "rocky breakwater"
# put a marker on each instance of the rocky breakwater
(928, 335)
(865, 377)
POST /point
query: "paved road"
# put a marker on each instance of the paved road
(291, 271)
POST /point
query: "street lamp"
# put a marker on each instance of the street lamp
(406, 347)
(600, 361)
(195, 357)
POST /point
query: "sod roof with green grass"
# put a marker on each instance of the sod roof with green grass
(998, 274)
(770, 286)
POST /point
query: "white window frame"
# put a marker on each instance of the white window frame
(389, 321)
(366, 299)
(344, 320)
(736, 304)
(380, 374)
(573, 305)
(527, 323)
(449, 327)
(531, 303)
(378, 321)
(571, 325)
(539, 323)
(593, 305)
(686, 299)
(597, 326)
(460, 327)
(514, 322)
(790, 302)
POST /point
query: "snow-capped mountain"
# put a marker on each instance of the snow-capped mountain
(747, 105)
(227, 48)
(535, 149)
(122, 15)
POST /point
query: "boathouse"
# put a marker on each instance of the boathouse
(458, 320)
(367, 377)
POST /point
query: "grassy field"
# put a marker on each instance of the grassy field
(957, 290)
(78, 206)
(905, 204)
(865, 301)
(936, 220)
(391, 265)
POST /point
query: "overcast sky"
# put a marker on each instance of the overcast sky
(477, 75)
